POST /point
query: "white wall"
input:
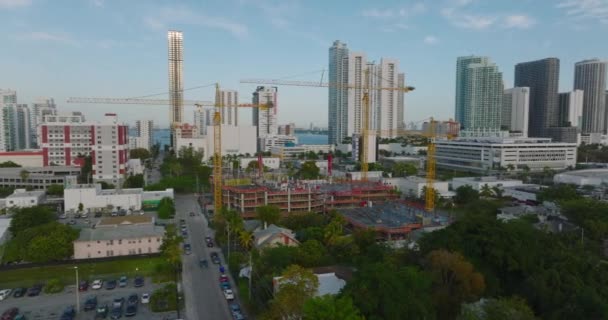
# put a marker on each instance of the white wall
(235, 140)
(95, 198)
(270, 162)
(414, 185)
(478, 184)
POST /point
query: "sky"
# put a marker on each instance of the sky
(118, 48)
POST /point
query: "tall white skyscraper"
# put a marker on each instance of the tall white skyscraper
(590, 76)
(203, 118)
(337, 98)
(40, 108)
(357, 64)
(15, 124)
(265, 119)
(144, 133)
(176, 88)
(229, 111)
(386, 106)
(571, 108)
(515, 111)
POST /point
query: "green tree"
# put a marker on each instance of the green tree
(175, 168)
(170, 248)
(106, 185)
(403, 169)
(252, 166)
(486, 191)
(25, 218)
(455, 281)
(86, 169)
(268, 214)
(80, 207)
(6, 191)
(309, 170)
(139, 153)
(135, 181)
(55, 190)
(330, 307)
(559, 192)
(498, 192)
(465, 194)
(497, 309)
(166, 208)
(24, 175)
(311, 253)
(9, 164)
(295, 287)
(41, 243)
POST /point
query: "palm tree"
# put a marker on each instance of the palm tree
(498, 192)
(24, 174)
(246, 239)
(485, 191)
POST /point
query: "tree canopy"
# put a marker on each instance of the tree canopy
(139, 153)
(330, 307)
(166, 208)
(309, 170)
(55, 190)
(25, 218)
(268, 214)
(465, 194)
(134, 181)
(9, 164)
(42, 243)
(403, 169)
(296, 286)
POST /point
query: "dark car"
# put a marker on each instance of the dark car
(184, 233)
(118, 302)
(234, 307)
(102, 312)
(110, 284)
(215, 258)
(68, 314)
(133, 299)
(238, 316)
(131, 310)
(225, 285)
(90, 303)
(83, 285)
(34, 290)
(187, 248)
(116, 313)
(138, 282)
(192, 214)
(203, 263)
(19, 292)
(209, 242)
(10, 314)
(98, 214)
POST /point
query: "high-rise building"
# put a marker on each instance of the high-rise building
(571, 108)
(265, 118)
(8, 96)
(590, 76)
(479, 93)
(203, 118)
(357, 65)
(40, 108)
(15, 124)
(338, 95)
(64, 139)
(401, 103)
(229, 110)
(542, 77)
(386, 106)
(515, 110)
(144, 134)
(176, 88)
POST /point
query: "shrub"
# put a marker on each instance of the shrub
(53, 286)
(164, 299)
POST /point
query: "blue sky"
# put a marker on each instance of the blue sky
(117, 48)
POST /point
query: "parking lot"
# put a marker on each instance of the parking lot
(51, 306)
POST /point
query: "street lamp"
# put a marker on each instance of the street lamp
(77, 290)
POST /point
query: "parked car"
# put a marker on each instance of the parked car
(97, 284)
(203, 263)
(90, 303)
(209, 242)
(110, 284)
(72, 222)
(5, 293)
(133, 299)
(215, 258)
(122, 282)
(225, 285)
(10, 314)
(131, 310)
(102, 312)
(187, 248)
(139, 281)
(19, 292)
(192, 214)
(34, 290)
(20, 317)
(228, 294)
(68, 314)
(116, 313)
(83, 285)
(97, 214)
(238, 316)
(118, 302)
(145, 298)
(223, 278)
(234, 307)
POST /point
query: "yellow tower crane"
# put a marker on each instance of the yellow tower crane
(365, 112)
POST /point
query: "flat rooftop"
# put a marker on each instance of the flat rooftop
(401, 158)
(121, 232)
(21, 194)
(483, 179)
(588, 173)
(385, 215)
(126, 220)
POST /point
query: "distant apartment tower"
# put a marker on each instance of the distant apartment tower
(287, 129)
(338, 95)
(571, 108)
(40, 108)
(515, 110)
(479, 93)
(66, 139)
(15, 124)
(229, 110)
(265, 118)
(176, 88)
(590, 76)
(385, 110)
(144, 133)
(542, 77)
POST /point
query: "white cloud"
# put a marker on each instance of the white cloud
(98, 3)
(14, 3)
(387, 13)
(586, 9)
(468, 21)
(47, 37)
(170, 15)
(378, 13)
(431, 40)
(519, 21)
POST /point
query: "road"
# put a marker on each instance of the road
(204, 299)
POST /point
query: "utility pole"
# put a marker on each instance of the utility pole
(228, 223)
(77, 290)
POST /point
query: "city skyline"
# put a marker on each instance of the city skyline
(129, 54)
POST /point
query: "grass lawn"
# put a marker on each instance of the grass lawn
(107, 269)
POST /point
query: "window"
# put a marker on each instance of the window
(149, 240)
(119, 241)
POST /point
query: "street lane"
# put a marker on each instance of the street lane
(204, 299)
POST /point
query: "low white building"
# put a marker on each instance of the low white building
(594, 177)
(135, 167)
(93, 198)
(290, 153)
(268, 142)
(485, 154)
(523, 193)
(25, 199)
(151, 199)
(413, 186)
(270, 162)
(358, 175)
(399, 148)
(236, 140)
(477, 183)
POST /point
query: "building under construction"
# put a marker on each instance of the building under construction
(305, 197)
